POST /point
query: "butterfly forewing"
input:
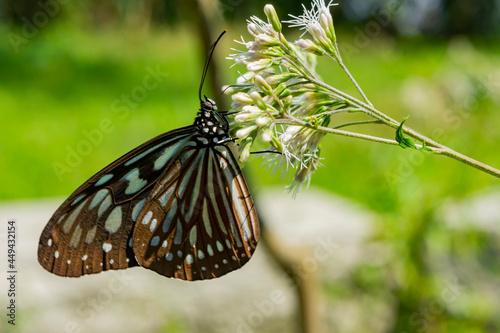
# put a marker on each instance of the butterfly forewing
(200, 221)
(91, 230)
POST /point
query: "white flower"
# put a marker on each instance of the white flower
(242, 98)
(245, 132)
(312, 16)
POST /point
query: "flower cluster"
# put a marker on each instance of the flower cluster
(277, 100)
(280, 100)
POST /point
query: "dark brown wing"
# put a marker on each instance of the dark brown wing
(90, 232)
(200, 221)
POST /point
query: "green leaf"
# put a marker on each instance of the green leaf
(425, 148)
(403, 141)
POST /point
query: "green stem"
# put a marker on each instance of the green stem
(360, 122)
(440, 149)
(338, 58)
(471, 162)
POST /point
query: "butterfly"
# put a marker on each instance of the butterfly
(177, 204)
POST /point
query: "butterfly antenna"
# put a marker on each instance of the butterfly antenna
(207, 62)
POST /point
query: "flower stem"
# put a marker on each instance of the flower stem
(361, 122)
(438, 149)
(338, 58)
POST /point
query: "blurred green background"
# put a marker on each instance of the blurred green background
(439, 62)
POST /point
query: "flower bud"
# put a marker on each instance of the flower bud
(290, 132)
(245, 132)
(245, 151)
(257, 98)
(310, 46)
(320, 37)
(326, 21)
(276, 144)
(244, 117)
(251, 109)
(280, 78)
(242, 98)
(253, 29)
(266, 135)
(263, 121)
(280, 89)
(287, 102)
(259, 65)
(266, 40)
(272, 17)
(263, 85)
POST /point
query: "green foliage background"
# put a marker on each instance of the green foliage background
(64, 81)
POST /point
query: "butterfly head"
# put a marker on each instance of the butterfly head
(207, 105)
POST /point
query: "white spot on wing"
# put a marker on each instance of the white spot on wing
(114, 220)
(135, 183)
(77, 200)
(167, 154)
(104, 179)
(56, 254)
(147, 217)
(71, 219)
(106, 247)
(168, 219)
(206, 218)
(98, 197)
(192, 236)
(75, 238)
(210, 250)
(189, 259)
(137, 209)
(104, 206)
(201, 255)
(153, 225)
(178, 234)
(91, 235)
(155, 240)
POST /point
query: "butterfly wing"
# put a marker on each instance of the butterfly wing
(200, 221)
(90, 232)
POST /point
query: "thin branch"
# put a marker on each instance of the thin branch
(338, 58)
(360, 122)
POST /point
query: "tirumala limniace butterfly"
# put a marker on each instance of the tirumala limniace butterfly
(178, 205)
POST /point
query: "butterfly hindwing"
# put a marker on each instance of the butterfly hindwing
(199, 221)
(90, 232)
